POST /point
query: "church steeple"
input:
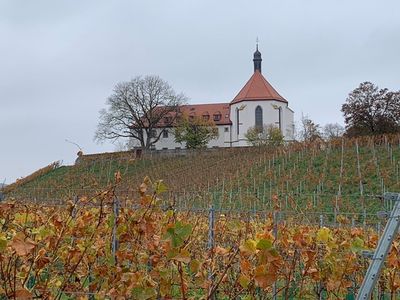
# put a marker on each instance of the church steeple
(257, 88)
(257, 59)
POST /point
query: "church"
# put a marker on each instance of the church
(257, 104)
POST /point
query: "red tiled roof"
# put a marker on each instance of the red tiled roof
(257, 88)
(200, 110)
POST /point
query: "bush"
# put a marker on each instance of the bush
(269, 135)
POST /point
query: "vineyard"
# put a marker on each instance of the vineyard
(343, 175)
(248, 223)
(97, 248)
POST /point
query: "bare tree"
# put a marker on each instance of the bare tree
(309, 131)
(137, 108)
(333, 130)
(370, 110)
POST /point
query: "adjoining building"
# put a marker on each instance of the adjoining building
(257, 104)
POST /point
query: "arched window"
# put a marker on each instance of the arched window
(259, 118)
(237, 120)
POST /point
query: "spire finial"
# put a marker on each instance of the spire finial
(257, 43)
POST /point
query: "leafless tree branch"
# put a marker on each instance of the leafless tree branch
(138, 107)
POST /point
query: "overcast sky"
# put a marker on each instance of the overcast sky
(59, 61)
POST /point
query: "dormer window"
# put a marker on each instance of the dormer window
(217, 116)
(206, 117)
(167, 120)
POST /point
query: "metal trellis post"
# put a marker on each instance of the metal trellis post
(211, 244)
(114, 230)
(275, 233)
(379, 256)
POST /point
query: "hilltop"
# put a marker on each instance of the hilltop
(343, 175)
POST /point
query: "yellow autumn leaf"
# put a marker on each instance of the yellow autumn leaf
(3, 242)
(194, 266)
(323, 235)
(22, 218)
(160, 187)
(244, 281)
(249, 247)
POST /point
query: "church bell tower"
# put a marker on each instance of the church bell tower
(257, 60)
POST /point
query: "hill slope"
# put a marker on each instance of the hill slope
(343, 175)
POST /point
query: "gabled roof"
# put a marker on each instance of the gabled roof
(257, 88)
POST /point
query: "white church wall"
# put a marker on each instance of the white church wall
(270, 116)
(288, 127)
(164, 142)
(168, 141)
(223, 138)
